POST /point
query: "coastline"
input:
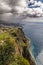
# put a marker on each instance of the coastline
(26, 48)
(30, 51)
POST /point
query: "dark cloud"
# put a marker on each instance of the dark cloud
(22, 7)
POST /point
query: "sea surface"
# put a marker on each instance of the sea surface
(34, 31)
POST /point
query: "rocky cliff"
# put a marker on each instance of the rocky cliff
(14, 47)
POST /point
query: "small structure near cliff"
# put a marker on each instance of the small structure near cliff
(14, 50)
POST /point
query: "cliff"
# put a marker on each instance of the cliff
(14, 47)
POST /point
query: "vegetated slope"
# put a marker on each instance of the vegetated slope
(14, 47)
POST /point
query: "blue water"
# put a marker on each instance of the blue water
(35, 32)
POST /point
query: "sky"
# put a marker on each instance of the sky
(21, 8)
(41, 0)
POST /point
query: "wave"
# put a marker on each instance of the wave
(39, 58)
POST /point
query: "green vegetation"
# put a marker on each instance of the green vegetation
(2, 35)
(12, 43)
(20, 61)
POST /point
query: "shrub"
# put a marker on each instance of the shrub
(6, 53)
(21, 60)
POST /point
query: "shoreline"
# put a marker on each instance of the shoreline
(26, 49)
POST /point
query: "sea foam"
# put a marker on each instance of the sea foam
(39, 58)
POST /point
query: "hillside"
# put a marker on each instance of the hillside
(14, 47)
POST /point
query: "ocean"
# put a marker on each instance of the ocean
(34, 31)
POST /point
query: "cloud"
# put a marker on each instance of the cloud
(4, 7)
(22, 7)
(13, 6)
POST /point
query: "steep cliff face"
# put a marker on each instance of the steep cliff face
(14, 47)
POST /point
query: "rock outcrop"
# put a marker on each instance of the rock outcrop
(14, 47)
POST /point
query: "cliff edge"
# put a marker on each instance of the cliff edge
(14, 47)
